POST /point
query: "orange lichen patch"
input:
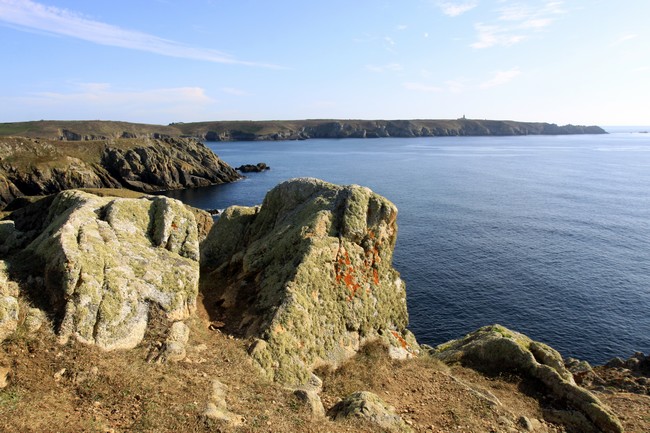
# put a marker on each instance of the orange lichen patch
(174, 226)
(375, 276)
(278, 329)
(346, 273)
(365, 274)
(401, 340)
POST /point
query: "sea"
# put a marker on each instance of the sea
(546, 235)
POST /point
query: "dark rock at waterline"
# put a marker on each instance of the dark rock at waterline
(253, 168)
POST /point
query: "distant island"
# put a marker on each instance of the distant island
(286, 129)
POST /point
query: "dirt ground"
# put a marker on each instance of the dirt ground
(77, 388)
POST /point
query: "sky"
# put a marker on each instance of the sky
(582, 62)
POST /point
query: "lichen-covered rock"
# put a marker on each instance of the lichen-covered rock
(309, 274)
(106, 260)
(369, 406)
(496, 348)
(9, 308)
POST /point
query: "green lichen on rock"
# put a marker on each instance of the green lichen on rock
(310, 273)
(105, 260)
(495, 348)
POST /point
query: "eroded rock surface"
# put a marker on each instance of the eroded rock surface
(495, 348)
(309, 274)
(105, 260)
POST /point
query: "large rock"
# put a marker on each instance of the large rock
(369, 406)
(309, 274)
(495, 348)
(106, 260)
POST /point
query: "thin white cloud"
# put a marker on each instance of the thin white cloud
(624, 38)
(421, 87)
(489, 36)
(391, 67)
(402, 27)
(516, 22)
(29, 15)
(500, 78)
(234, 91)
(456, 8)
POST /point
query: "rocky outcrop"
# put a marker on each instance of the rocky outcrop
(497, 349)
(309, 275)
(104, 262)
(176, 164)
(369, 406)
(253, 168)
(38, 167)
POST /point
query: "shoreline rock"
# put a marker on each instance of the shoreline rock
(253, 168)
(498, 349)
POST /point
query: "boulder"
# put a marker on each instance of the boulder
(311, 400)
(370, 407)
(309, 275)
(495, 349)
(105, 261)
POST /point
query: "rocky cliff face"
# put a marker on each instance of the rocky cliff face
(302, 130)
(37, 167)
(309, 275)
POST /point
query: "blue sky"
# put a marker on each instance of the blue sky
(162, 61)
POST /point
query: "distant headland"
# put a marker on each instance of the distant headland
(269, 130)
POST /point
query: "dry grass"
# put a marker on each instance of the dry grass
(78, 388)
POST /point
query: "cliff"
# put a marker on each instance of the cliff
(305, 129)
(288, 129)
(30, 166)
(118, 314)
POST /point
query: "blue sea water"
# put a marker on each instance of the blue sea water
(548, 235)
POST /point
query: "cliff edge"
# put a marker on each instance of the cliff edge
(30, 166)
